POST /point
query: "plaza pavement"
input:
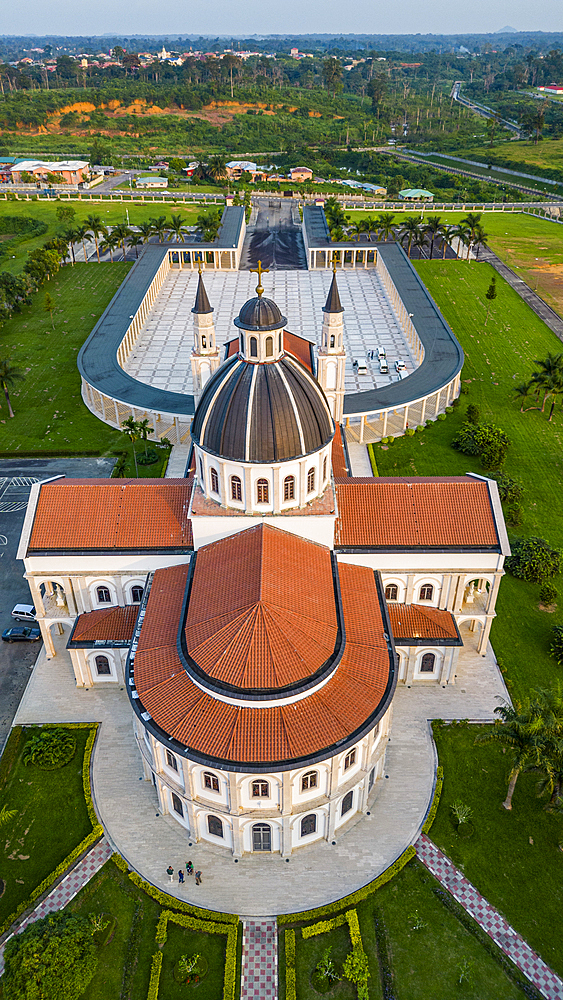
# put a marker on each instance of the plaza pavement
(260, 885)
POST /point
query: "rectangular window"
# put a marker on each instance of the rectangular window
(171, 760)
(349, 759)
(211, 781)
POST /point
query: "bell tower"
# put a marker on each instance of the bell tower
(205, 355)
(331, 356)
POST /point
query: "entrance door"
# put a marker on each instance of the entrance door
(261, 837)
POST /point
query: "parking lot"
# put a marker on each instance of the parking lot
(16, 480)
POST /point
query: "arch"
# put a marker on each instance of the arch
(331, 375)
(309, 825)
(426, 592)
(311, 481)
(427, 663)
(309, 780)
(269, 347)
(215, 826)
(103, 666)
(253, 347)
(137, 593)
(201, 475)
(171, 760)
(280, 343)
(203, 341)
(236, 488)
(262, 491)
(350, 759)
(241, 342)
(347, 802)
(391, 592)
(210, 781)
(103, 595)
(261, 837)
(214, 480)
(260, 789)
(289, 488)
(324, 468)
(177, 804)
(332, 340)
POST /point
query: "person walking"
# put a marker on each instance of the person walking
(170, 872)
(198, 878)
(181, 877)
(189, 868)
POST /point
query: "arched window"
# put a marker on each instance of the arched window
(391, 592)
(215, 826)
(203, 341)
(261, 837)
(214, 480)
(201, 470)
(262, 491)
(347, 803)
(324, 469)
(269, 347)
(308, 825)
(177, 804)
(427, 663)
(211, 781)
(371, 778)
(136, 594)
(236, 488)
(103, 595)
(260, 790)
(332, 340)
(349, 759)
(289, 488)
(280, 344)
(309, 780)
(253, 347)
(310, 481)
(426, 592)
(171, 760)
(241, 342)
(102, 665)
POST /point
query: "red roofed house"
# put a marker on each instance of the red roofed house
(261, 612)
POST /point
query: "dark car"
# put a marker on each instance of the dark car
(21, 635)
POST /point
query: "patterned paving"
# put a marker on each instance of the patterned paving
(67, 889)
(259, 960)
(490, 920)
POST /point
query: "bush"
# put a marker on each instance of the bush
(533, 559)
(150, 458)
(50, 748)
(290, 984)
(449, 409)
(54, 957)
(436, 798)
(390, 440)
(486, 440)
(514, 514)
(441, 416)
(410, 431)
(385, 440)
(556, 648)
(419, 428)
(510, 490)
(473, 414)
(548, 594)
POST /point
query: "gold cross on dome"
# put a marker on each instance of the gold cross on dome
(334, 259)
(259, 271)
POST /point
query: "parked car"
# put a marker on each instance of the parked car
(21, 634)
(400, 368)
(24, 613)
(361, 366)
(383, 366)
(380, 352)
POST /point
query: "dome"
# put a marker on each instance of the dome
(260, 314)
(262, 413)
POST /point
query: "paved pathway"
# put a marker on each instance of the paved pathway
(259, 959)
(537, 304)
(65, 890)
(178, 460)
(490, 920)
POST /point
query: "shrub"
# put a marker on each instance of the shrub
(50, 748)
(556, 648)
(429, 422)
(385, 440)
(436, 799)
(548, 593)
(449, 409)
(514, 514)
(441, 416)
(486, 440)
(510, 490)
(323, 926)
(149, 459)
(156, 966)
(533, 559)
(390, 440)
(54, 957)
(419, 428)
(473, 414)
(410, 431)
(290, 985)
(356, 967)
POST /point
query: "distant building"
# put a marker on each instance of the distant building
(68, 171)
(300, 174)
(553, 88)
(236, 168)
(416, 194)
(152, 182)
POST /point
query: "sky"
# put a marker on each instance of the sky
(246, 17)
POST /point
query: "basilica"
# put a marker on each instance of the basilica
(262, 609)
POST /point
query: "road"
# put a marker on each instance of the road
(16, 479)
(273, 237)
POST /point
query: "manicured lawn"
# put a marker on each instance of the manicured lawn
(498, 357)
(49, 413)
(181, 941)
(309, 951)
(51, 820)
(513, 858)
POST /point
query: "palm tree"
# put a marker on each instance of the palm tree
(216, 168)
(176, 228)
(471, 223)
(131, 429)
(449, 234)
(433, 229)
(136, 241)
(146, 230)
(9, 374)
(82, 233)
(97, 228)
(371, 226)
(385, 224)
(522, 392)
(144, 429)
(160, 227)
(122, 232)
(515, 730)
(6, 815)
(409, 229)
(481, 238)
(110, 243)
(72, 236)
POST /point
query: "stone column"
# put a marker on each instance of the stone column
(410, 664)
(410, 588)
(47, 638)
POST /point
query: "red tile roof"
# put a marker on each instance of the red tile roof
(416, 621)
(405, 513)
(272, 622)
(298, 347)
(109, 624)
(106, 514)
(339, 467)
(276, 734)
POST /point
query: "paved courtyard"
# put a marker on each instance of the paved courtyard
(267, 884)
(161, 356)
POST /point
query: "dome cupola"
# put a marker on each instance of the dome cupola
(261, 326)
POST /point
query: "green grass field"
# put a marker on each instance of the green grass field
(513, 858)
(498, 357)
(49, 413)
(51, 820)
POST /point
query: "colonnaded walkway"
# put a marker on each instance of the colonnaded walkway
(262, 885)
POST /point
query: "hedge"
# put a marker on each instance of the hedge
(290, 984)
(178, 904)
(208, 927)
(354, 897)
(373, 462)
(324, 926)
(155, 976)
(435, 800)
(84, 846)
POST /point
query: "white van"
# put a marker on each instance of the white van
(361, 366)
(24, 613)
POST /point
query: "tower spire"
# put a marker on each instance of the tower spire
(333, 303)
(201, 305)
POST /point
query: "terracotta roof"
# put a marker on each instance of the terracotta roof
(212, 730)
(110, 624)
(416, 621)
(203, 506)
(272, 621)
(404, 513)
(339, 467)
(106, 514)
(297, 346)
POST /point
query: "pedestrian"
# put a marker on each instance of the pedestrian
(181, 877)
(170, 872)
(189, 868)
(198, 878)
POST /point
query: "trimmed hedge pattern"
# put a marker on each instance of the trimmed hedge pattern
(177, 904)
(354, 897)
(155, 976)
(290, 984)
(83, 846)
(208, 927)
(324, 926)
(435, 800)
(357, 945)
